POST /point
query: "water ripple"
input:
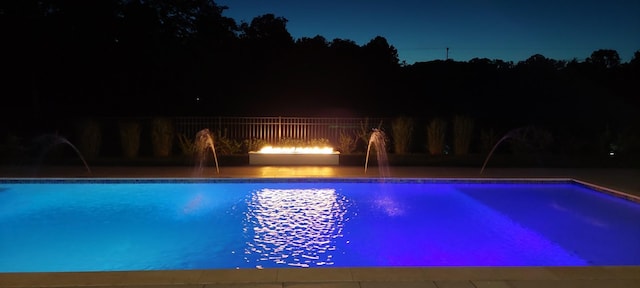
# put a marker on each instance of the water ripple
(294, 227)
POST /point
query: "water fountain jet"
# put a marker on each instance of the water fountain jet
(204, 140)
(377, 139)
(52, 140)
(523, 134)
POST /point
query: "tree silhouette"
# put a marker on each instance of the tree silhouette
(379, 52)
(114, 58)
(604, 58)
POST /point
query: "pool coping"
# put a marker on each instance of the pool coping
(282, 276)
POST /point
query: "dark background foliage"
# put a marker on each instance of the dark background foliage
(121, 58)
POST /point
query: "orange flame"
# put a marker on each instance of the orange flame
(296, 150)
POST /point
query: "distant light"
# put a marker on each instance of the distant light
(612, 149)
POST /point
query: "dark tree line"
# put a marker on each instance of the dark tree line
(112, 58)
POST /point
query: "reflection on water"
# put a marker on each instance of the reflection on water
(303, 171)
(389, 205)
(297, 227)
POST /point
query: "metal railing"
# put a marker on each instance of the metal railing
(276, 129)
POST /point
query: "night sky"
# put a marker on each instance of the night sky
(421, 30)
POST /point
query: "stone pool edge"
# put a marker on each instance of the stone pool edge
(280, 276)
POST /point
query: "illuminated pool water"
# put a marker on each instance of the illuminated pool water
(177, 224)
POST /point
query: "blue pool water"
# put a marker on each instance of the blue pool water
(118, 225)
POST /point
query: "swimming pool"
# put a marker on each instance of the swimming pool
(60, 225)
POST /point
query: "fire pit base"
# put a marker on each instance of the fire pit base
(293, 159)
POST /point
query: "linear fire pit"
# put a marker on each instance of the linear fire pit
(294, 156)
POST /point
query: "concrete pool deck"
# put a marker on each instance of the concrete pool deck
(622, 180)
